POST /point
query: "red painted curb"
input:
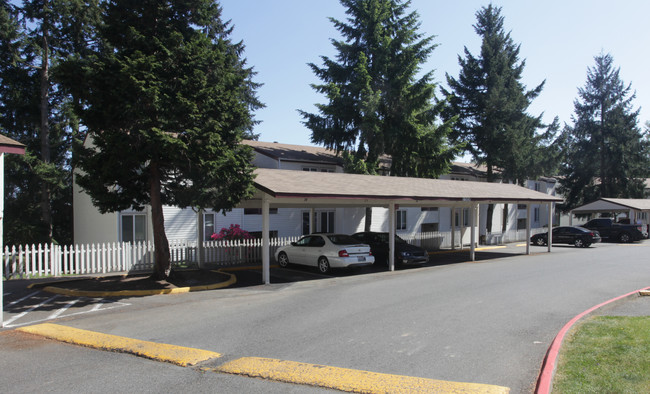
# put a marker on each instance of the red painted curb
(548, 365)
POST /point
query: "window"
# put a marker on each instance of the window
(521, 206)
(208, 226)
(305, 223)
(466, 218)
(536, 215)
(318, 169)
(400, 220)
(134, 228)
(521, 224)
(258, 211)
(432, 209)
(326, 222)
(429, 227)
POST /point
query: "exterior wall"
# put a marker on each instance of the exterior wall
(263, 161)
(181, 223)
(90, 226)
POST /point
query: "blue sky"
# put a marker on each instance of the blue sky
(559, 40)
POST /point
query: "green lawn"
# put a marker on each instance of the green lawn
(605, 354)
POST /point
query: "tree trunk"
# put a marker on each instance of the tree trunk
(368, 223)
(162, 267)
(46, 209)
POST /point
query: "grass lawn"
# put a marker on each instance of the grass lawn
(605, 354)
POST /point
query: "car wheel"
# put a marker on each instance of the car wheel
(625, 238)
(540, 241)
(579, 243)
(323, 265)
(283, 260)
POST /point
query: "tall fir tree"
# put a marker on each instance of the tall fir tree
(377, 104)
(607, 154)
(168, 101)
(36, 111)
(491, 104)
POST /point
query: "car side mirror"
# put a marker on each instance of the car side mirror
(294, 244)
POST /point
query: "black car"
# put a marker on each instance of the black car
(571, 235)
(405, 253)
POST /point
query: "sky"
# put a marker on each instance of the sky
(559, 40)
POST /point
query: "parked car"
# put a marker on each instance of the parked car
(614, 232)
(572, 235)
(325, 251)
(405, 253)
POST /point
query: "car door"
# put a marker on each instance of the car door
(563, 236)
(314, 250)
(298, 252)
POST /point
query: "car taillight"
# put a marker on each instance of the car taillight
(343, 253)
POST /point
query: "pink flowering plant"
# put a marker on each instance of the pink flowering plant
(234, 233)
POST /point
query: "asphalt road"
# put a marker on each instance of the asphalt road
(484, 322)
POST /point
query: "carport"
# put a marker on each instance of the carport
(614, 206)
(302, 189)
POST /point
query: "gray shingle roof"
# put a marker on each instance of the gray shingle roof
(288, 184)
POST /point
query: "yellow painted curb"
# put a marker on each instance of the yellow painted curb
(136, 293)
(348, 379)
(179, 355)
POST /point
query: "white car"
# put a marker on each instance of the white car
(325, 251)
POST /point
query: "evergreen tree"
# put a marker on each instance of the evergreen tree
(168, 101)
(491, 103)
(37, 111)
(607, 154)
(376, 103)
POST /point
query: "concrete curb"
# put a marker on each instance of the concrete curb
(545, 378)
(178, 355)
(349, 380)
(270, 369)
(132, 293)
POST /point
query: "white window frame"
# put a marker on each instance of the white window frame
(132, 218)
(400, 219)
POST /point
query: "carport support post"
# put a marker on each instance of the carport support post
(472, 249)
(528, 228)
(391, 236)
(266, 248)
(453, 228)
(550, 225)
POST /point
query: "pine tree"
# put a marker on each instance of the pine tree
(168, 101)
(376, 102)
(607, 153)
(491, 103)
(36, 110)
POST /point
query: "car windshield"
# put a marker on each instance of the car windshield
(342, 239)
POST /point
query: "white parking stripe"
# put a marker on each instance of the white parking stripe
(65, 308)
(96, 307)
(22, 299)
(29, 310)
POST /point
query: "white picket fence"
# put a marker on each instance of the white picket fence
(27, 261)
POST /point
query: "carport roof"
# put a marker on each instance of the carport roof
(614, 205)
(287, 184)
